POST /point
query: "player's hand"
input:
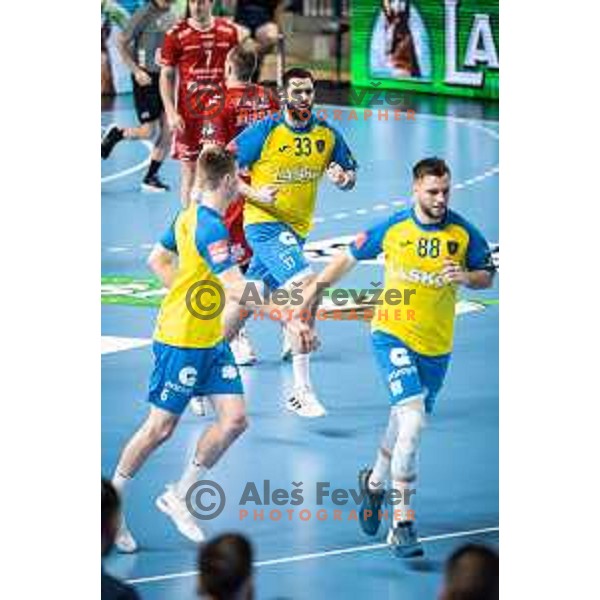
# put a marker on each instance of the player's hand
(337, 175)
(305, 337)
(452, 272)
(267, 194)
(142, 78)
(175, 121)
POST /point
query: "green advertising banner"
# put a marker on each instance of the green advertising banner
(437, 46)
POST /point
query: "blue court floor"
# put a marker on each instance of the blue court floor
(457, 498)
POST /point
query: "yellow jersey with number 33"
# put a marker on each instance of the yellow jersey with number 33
(293, 160)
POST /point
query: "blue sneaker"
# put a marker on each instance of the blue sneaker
(403, 540)
(372, 501)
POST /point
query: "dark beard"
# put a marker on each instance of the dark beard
(433, 217)
(300, 115)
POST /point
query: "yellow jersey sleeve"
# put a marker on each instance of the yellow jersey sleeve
(422, 316)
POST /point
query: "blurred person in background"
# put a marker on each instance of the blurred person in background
(471, 573)
(139, 46)
(112, 588)
(112, 13)
(225, 568)
(262, 19)
(192, 75)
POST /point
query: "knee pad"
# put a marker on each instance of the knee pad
(410, 420)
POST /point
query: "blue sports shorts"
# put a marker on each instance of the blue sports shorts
(181, 373)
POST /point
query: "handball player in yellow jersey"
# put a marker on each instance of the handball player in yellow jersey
(287, 154)
(429, 250)
(192, 356)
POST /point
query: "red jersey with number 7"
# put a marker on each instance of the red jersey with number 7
(199, 56)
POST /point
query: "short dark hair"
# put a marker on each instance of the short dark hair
(296, 73)
(214, 163)
(433, 165)
(111, 506)
(472, 573)
(244, 61)
(225, 564)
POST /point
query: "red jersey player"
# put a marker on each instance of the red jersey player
(195, 51)
(242, 103)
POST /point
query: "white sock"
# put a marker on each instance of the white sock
(381, 468)
(301, 366)
(405, 510)
(191, 474)
(120, 481)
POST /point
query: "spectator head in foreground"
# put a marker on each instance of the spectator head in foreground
(225, 565)
(471, 573)
(111, 511)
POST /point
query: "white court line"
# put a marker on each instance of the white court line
(133, 169)
(474, 123)
(336, 552)
(111, 344)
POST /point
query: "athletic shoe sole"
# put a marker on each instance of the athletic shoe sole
(150, 189)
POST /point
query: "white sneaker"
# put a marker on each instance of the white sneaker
(242, 349)
(305, 404)
(175, 508)
(200, 406)
(125, 542)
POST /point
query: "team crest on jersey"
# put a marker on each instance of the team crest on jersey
(452, 247)
(219, 251)
(320, 145)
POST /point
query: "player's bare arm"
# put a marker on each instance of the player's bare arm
(331, 274)
(123, 43)
(264, 195)
(168, 77)
(163, 263)
(477, 280)
(235, 286)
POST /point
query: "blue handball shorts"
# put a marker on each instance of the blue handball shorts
(183, 373)
(277, 254)
(406, 373)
